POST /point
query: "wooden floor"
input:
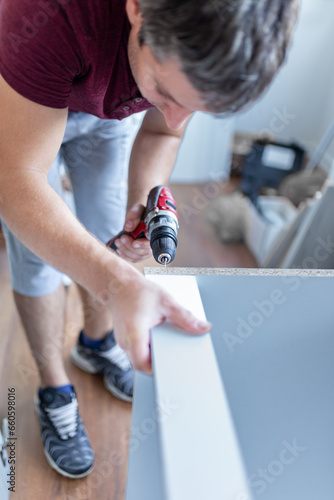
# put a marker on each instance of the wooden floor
(107, 419)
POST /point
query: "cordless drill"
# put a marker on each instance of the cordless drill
(159, 224)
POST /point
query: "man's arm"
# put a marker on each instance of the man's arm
(30, 137)
(152, 159)
(153, 156)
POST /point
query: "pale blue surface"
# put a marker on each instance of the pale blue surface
(279, 381)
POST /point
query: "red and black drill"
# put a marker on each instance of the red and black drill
(159, 224)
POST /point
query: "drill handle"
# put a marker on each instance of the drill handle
(139, 232)
(111, 243)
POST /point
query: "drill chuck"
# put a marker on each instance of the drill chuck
(162, 233)
(163, 244)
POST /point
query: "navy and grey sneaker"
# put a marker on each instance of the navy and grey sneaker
(66, 444)
(110, 361)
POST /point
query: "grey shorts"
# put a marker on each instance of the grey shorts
(95, 155)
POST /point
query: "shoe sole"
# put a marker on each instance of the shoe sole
(86, 366)
(52, 463)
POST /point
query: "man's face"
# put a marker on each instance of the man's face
(163, 84)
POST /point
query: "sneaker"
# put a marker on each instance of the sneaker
(110, 361)
(66, 444)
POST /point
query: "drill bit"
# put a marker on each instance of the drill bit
(164, 261)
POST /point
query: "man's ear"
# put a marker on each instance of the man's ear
(132, 10)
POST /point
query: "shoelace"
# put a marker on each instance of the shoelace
(117, 356)
(65, 419)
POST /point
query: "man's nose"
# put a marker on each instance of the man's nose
(175, 116)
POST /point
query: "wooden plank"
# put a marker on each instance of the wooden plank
(199, 447)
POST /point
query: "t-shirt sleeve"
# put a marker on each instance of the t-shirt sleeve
(40, 54)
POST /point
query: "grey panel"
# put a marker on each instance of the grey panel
(144, 470)
(199, 449)
(274, 342)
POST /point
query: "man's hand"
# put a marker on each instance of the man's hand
(139, 306)
(128, 248)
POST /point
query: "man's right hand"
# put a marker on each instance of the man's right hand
(138, 306)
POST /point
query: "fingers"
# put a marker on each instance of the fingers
(128, 248)
(133, 217)
(139, 309)
(183, 318)
(139, 350)
(140, 355)
(136, 343)
(133, 250)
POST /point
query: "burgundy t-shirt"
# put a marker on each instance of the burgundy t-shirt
(70, 53)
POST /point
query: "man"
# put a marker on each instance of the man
(67, 66)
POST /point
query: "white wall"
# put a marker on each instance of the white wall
(300, 103)
(205, 153)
